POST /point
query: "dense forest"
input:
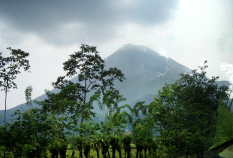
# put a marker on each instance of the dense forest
(187, 117)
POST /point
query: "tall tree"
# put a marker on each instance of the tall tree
(20, 137)
(92, 77)
(10, 67)
(91, 74)
(200, 97)
(224, 129)
(28, 96)
(59, 106)
(189, 105)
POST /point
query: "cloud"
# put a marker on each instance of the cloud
(64, 22)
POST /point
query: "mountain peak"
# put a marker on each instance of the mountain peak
(131, 50)
(138, 47)
(138, 59)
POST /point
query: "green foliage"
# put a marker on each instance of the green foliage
(224, 128)
(140, 134)
(186, 112)
(57, 144)
(31, 128)
(27, 148)
(10, 67)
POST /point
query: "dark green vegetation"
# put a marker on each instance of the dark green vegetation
(187, 117)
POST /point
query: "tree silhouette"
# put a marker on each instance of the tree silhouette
(10, 67)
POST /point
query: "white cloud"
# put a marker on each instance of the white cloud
(186, 31)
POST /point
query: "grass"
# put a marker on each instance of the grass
(227, 153)
(94, 153)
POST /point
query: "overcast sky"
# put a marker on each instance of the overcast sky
(189, 31)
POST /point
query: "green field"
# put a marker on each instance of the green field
(94, 154)
(227, 153)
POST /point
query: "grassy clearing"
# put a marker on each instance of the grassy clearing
(228, 153)
(94, 153)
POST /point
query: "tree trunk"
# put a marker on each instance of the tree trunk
(113, 144)
(97, 149)
(145, 149)
(128, 152)
(113, 152)
(72, 156)
(37, 151)
(54, 153)
(119, 150)
(5, 102)
(139, 148)
(62, 152)
(125, 152)
(202, 154)
(108, 154)
(87, 149)
(80, 152)
(104, 149)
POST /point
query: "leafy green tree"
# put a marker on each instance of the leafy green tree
(89, 130)
(188, 109)
(5, 141)
(169, 117)
(224, 129)
(60, 106)
(115, 120)
(19, 137)
(142, 122)
(126, 144)
(200, 98)
(28, 94)
(92, 77)
(10, 67)
(91, 74)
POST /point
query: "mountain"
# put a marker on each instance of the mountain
(146, 72)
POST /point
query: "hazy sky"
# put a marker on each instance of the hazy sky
(189, 31)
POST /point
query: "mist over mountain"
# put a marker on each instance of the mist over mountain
(145, 70)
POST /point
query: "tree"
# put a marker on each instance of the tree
(169, 116)
(18, 138)
(91, 74)
(60, 106)
(200, 97)
(142, 128)
(10, 67)
(28, 96)
(92, 77)
(224, 129)
(115, 120)
(189, 105)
